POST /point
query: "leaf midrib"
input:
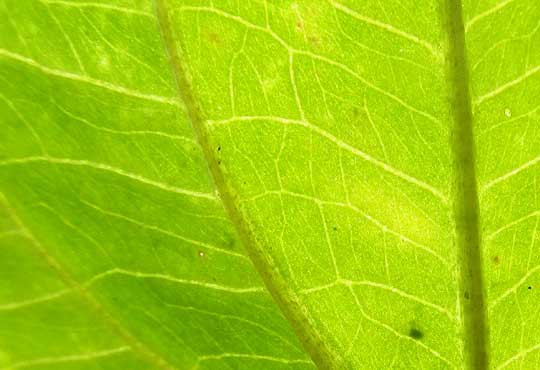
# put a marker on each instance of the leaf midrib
(465, 193)
(464, 196)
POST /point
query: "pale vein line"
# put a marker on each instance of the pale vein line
(107, 168)
(486, 13)
(227, 317)
(401, 293)
(518, 356)
(507, 85)
(368, 158)
(368, 84)
(512, 223)
(89, 80)
(513, 288)
(237, 19)
(507, 175)
(253, 357)
(119, 271)
(116, 8)
(383, 54)
(125, 132)
(292, 50)
(319, 288)
(328, 241)
(21, 117)
(44, 298)
(373, 284)
(402, 237)
(67, 358)
(370, 218)
(8, 233)
(388, 27)
(396, 333)
(507, 121)
(158, 276)
(67, 37)
(163, 231)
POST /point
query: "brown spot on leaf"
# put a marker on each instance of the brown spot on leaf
(214, 39)
(314, 40)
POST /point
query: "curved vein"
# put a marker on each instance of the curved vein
(89, 80)
(67, 358)
(388, 27)
(108, 168)
(513, 288)
(511, 173)
(518, 356)
(173, 279)
(511, 224)
(96, 5)
(164, 232)
(487, 13)
(340, 143)
(368, 217)
(506, 86)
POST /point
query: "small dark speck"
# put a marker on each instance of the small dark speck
(335, 228)
(229, 241)
(218, 148)
(466, 295)
(314, 40)
(529, 287)
(218, 162)
(496, 260)
(416, 334)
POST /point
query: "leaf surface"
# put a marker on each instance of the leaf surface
(260, 185)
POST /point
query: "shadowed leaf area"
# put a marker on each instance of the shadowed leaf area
(269, 184)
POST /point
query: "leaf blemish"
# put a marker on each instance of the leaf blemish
(214, 38)
(416, 333)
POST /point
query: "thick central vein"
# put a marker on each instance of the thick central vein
(466, 213)
(282, 293)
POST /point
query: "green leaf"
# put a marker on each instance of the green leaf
(264, 185)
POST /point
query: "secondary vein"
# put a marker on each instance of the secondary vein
(73, 285)
(282, 293)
